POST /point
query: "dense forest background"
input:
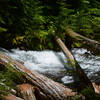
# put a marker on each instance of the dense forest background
(31, 23)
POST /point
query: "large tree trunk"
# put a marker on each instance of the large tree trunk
(52, 90)
(92, 45)
(84, 80)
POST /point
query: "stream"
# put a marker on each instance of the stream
(54, 64)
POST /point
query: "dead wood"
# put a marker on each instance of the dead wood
(52, 90)
(27, 91)
(84, 80)
(92, 45)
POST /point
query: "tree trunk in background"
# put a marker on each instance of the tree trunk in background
(84, 80)
(92, 45)
(50, 89)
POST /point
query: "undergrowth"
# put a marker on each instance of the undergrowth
(9, 79)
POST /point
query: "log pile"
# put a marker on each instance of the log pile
(47, 88)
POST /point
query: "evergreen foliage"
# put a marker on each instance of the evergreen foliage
(30, 23)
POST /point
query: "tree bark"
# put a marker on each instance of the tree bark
(10, 97)
(52, 90)
(84, 80)
(90, 44)
(27, 91)
(30, 92)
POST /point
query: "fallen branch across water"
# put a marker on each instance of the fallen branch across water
(84, 80)
(92, 45)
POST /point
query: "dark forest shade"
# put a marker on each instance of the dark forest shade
(30, 23)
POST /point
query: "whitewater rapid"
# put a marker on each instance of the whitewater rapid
(54, 64)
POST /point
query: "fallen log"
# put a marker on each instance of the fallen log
(92, 45)
(84, 80)
(52, 90)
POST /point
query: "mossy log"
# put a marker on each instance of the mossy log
(84, 80)
(92, 45)
(52, 90)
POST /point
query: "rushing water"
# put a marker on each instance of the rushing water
(54, 64)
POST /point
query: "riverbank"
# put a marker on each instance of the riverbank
(17, 78)
(54, 64)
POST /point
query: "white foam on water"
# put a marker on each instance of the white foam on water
(54, 63)
(87, 61)
(42, 61)
(67, 79)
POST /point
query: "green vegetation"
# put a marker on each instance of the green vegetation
(9, 79)
(30, 23)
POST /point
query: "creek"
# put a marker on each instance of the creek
(54, 64)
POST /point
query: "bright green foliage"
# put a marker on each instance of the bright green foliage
(86, 19)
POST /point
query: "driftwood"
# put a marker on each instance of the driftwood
(84, 80)
(90, 44)
(50, 89)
